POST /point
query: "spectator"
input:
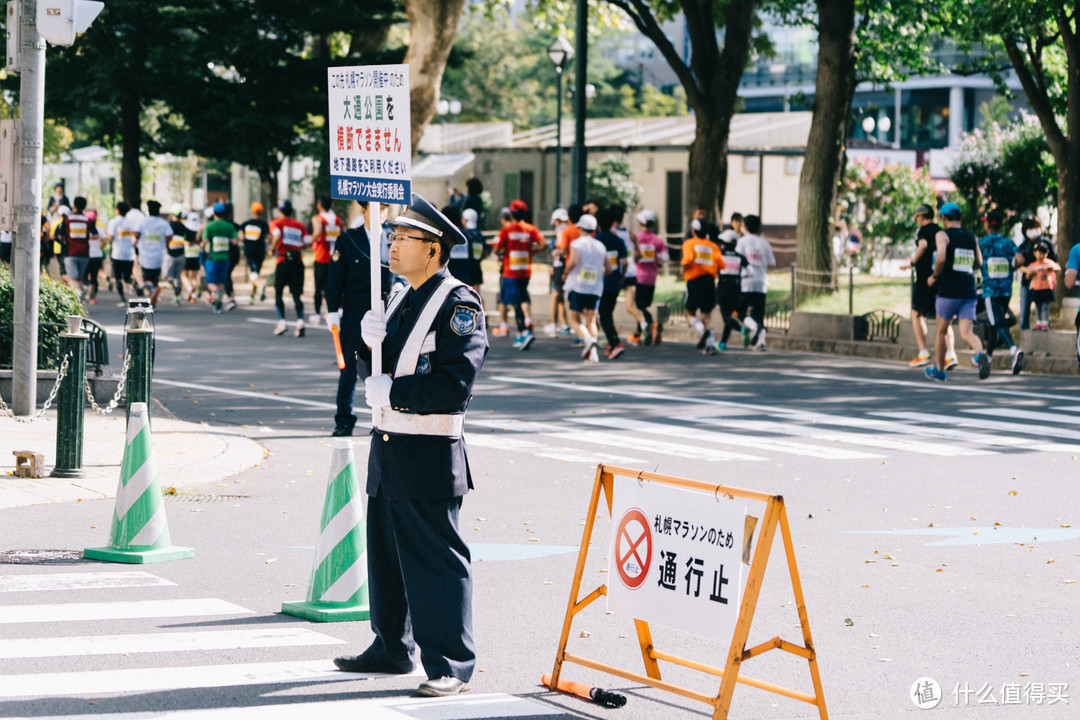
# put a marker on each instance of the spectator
(1042, 277)
(1033, 234)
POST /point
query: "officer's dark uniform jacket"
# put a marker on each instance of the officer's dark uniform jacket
(348, 286)
(402, 465)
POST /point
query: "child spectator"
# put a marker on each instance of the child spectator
(1043, 280)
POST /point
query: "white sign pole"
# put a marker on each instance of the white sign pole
(374, 232)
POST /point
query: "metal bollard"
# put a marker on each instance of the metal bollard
(70, 402)
(140, 347)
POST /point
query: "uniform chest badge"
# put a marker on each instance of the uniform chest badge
(463, 321)
(423, 365)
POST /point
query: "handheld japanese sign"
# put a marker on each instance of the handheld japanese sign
(677, 553)
(370, 124)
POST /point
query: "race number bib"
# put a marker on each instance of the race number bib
(964, 261)
(176, 242)
(519, 260)
(589, 274)
(252, 233)
(292, 236)
(219, 244)
(997, 267)
(77, 231)
(612, 259)
(154, 239)
(648, 254)
(191, 250)
(477, 251)
(703, 255)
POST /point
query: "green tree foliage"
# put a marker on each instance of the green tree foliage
(1040, 41)
(611, 181)
(55, 302)
(1006, 168)
(882, 199)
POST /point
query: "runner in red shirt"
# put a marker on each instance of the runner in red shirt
(325, 228)
(516, 245)
(289, 236)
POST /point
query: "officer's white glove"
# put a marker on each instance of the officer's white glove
(333, 319)
(377, 390)
(372, 330)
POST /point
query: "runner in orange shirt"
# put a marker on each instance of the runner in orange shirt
(701, 263)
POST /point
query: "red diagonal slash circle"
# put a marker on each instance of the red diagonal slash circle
(633, 515)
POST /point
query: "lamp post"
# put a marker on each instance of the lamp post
(578, 158)
(561, 53)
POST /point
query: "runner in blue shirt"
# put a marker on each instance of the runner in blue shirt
(999, 261)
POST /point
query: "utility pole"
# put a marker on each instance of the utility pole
(578, 157)
(27, 248)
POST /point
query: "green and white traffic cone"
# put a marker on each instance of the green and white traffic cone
(140, 532)
(338, 588)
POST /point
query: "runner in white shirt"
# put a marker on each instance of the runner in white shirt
(154, 231)
(585, 269)
(755, 281)
(122, 238)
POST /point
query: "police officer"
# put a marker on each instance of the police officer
(348, 297)
(420, 578)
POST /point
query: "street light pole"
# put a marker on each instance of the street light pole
(560, 53)
(27, 248)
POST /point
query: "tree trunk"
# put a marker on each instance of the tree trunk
(131, 149)
(708, 166)
(432, 29)
(823, 163)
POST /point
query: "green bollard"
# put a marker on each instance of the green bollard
(70, 402)
(140, 348)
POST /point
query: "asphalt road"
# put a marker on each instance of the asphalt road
(935, 529)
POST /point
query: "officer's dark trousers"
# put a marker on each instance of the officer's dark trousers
(354, 367)
(420, 584)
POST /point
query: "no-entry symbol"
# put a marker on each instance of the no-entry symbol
(633, 548)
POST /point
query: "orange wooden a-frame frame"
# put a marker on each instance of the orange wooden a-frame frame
(775, 514)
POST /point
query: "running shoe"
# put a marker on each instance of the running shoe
(314, 320)
(576, 341)
(721, 346)
(218, 311)
(703, 341)
(614, 352)
(262, 295)
(500, 331)
(299, 328)
(951, 361)
(590, 349)
(635, 339)
(710, 349)
(984, 365)
(527, 339)
(564, 331)
(594, 356)
(923, 358)
(231, 305)
(933, 373)
(658, 334)
(93, 301)
(519, 341)
(281, 328)
(745, 337)
(175, 301)
(646, 336)
(1017, 361)
(549, 329)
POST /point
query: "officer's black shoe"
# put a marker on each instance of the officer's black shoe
(365, 664)
(442, 687)
(341, 431)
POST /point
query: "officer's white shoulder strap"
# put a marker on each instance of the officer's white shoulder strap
(410, 352)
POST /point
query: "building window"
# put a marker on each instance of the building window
(673, 208)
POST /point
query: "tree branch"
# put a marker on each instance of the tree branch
(642, 16)
(1038, 96)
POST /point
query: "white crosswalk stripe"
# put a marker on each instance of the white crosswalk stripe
(161, 642)
(732, 439)
(79, 581)
(1018, 414)
(117, 610)
(1022, 429)
(464, 707)
(611, 439)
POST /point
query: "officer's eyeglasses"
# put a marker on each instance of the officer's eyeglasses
(402, 237)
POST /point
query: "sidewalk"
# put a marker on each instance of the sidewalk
(188, 455)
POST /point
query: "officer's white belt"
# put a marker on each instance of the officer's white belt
(390, 420)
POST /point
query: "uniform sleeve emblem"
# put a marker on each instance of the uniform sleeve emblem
(463, 321)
